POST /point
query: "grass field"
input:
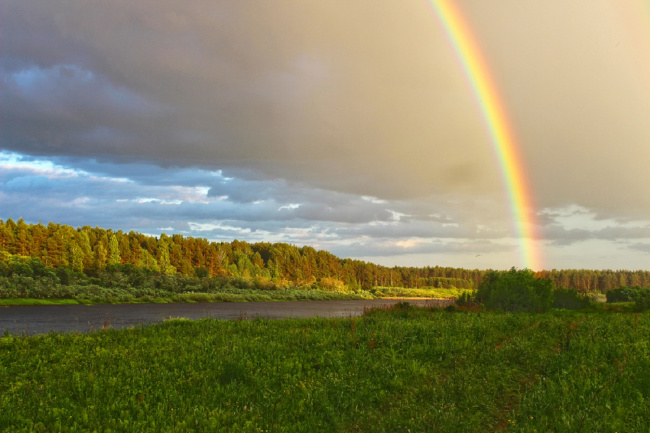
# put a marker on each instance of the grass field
(406, 369)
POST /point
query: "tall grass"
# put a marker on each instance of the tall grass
(391, 370)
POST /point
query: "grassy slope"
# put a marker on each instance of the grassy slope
(30, 301)
(242, 296)
(388, 371)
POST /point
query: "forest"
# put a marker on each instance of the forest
(90, 251)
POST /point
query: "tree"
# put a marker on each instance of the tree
(163, 257)
(515, 290)
(100, 256)
(114, 257)
(148, 261)
(75, 256)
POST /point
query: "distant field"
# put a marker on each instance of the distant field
(399, 370)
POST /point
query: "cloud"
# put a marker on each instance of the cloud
(146, 197)
(347, 122)
(246, 87)
(639, 246)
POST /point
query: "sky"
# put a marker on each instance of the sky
(349, 126)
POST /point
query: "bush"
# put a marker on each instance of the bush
(466, 299)
(642, 301)
(406, 306)
(331, 285)
(570, 299)
(515, 290)
(624, 294)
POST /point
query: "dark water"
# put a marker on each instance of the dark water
(42, 319)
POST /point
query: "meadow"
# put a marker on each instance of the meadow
(404, 369)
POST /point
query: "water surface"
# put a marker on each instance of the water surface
(40, 319)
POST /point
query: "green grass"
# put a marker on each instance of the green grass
(616, 307)
(391, 370)
(31, 301)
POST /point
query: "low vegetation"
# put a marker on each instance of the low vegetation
(392, 370)
(640, 296)
(25, 281)
(515, 290)
(520, 291)
(423, 292)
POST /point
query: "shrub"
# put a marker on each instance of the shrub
(642, 301)
(570, 299)
(331, 285)
(406, 306)
(201, 272)
(515, 290)
(466, 299)
(623, 294)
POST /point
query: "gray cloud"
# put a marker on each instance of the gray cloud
(379, 248)
(644, 247)
(151, 200)
(282, 116)
(245, 85)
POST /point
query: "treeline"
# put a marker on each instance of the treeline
(91, 250)
(587, 281)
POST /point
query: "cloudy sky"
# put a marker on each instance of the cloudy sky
(346, 125)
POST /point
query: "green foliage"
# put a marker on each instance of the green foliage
(391, 370)
(642, 301)
(624, 294)
(466, 299)
(124, 284)
(515, 290)
(406, 306)
(424, 292)
(201, 272)
(91, 250)
(570, 299)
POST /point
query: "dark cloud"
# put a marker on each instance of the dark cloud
(328, 95)
(350, 119)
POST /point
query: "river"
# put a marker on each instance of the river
(41, 319)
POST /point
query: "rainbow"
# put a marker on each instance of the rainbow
(501, 132)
